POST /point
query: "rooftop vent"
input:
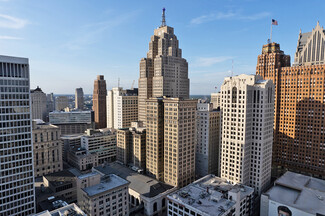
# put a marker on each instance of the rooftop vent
(320, 197)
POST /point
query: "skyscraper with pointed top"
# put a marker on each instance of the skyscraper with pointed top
(164, 72)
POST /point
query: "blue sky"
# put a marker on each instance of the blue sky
(69, 42)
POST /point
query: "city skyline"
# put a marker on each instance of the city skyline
(90, 39)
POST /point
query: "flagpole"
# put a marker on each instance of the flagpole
(271, 33)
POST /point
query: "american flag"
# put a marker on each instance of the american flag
(274, 22)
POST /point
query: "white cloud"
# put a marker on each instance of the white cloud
(228, 15)
(5, 37)
(209, 61)
(7, 21)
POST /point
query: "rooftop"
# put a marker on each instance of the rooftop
(107, 183)
(71, 209)
(299, 191)
(210, 195)
(144, 185)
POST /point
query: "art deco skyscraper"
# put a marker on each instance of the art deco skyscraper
(79, 99)
(247, 104)
(99, 101)
(16, 149)
(164, 72)
(299, 138)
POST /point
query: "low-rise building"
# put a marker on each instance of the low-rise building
(209, 196)
(147, 195)
(294, 194)
(62, 184)
(47, 148)
(102, 142)
(72, 122)
(81, 159)
(67, 210)
(103, 195)
(72, 141)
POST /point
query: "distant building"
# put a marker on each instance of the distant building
(79, 99)
(73, 122)
(16, 146)
(38, 99)
(50, 104)
(207, 140)
(122, 107)
(216, 100)
(82, 159)
(61, 102)
(69, 210)
(147, 195)
(131, 145)
(247, 108)
(163, 72)
(294, 194)
(211, 196)
(102, 142)
(47, 148)
(99, 101)
(106, 195)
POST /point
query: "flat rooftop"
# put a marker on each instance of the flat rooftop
(71, 209)
(210, 195)
(142, 184)
(299, 191)
(110, 182)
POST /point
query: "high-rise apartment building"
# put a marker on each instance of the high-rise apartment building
(79, 99)
(38, 99)
(299, 139)
(207, 140)
(122, 107)
(16, 148)
(164, 72)
(247, 105)
(61, 102)
(179, 141)
(99, 101)
(216, 99)
(47, 147)
(131, 145)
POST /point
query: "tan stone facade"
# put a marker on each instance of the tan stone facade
(47, 148)
(99, 101)
(164, 72)
(179, 141)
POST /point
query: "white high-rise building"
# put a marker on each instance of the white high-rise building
(38, 99)
(216, 99)
(247, 105)
(16, 148)
(122, 107)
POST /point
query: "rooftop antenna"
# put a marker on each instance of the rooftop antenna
(232, 68)
(163, 21)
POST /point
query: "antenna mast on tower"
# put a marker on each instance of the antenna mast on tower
(163, 20)
(232, 68)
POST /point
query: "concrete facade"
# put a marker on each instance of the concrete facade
(38, 100)
(79, 99)
(247, 108)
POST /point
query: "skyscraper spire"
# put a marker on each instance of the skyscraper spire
(163, 21)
